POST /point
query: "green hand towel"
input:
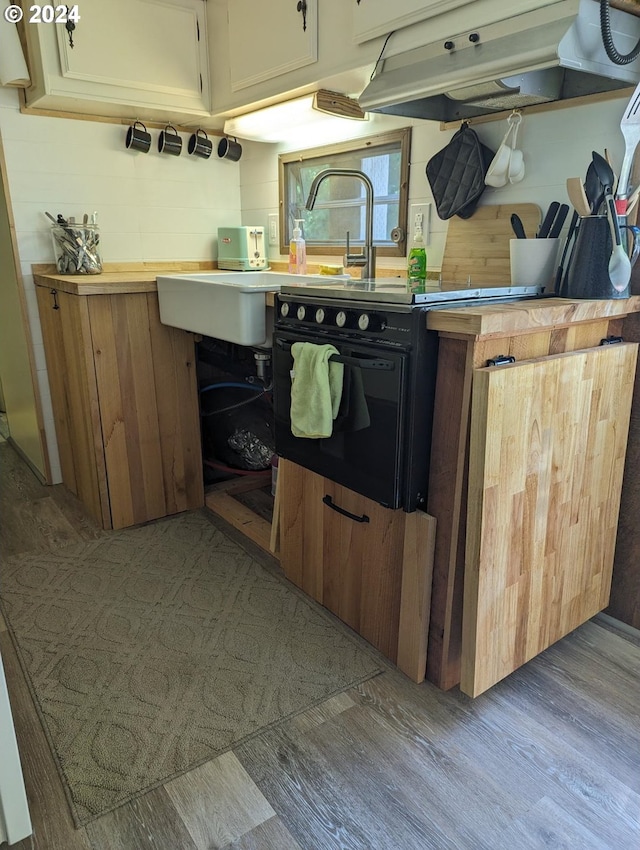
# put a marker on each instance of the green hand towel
(316, 389)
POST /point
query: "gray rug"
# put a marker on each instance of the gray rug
(154, 649)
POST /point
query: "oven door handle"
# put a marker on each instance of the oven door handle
(328, 501)
(361, 362)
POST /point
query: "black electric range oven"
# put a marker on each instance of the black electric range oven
(381, 438)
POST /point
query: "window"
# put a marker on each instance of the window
(340, 205)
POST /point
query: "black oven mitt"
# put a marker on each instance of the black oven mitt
(456, 174)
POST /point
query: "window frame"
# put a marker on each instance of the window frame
(360, 144)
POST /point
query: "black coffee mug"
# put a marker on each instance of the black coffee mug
(169, 141)
(228, 149)
(138, 139)
(200, 145)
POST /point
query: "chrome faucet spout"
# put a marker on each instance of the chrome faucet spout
(367, 260)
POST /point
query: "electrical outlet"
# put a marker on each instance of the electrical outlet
(419, 217)
(273, 228)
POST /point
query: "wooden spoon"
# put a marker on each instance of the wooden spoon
(577, 196)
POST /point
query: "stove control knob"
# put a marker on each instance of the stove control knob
(341, 318)
(284, 309)
(370, 322)
(320, 315)
(302, 312)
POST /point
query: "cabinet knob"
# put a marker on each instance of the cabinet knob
(474, 37)
(449, 45)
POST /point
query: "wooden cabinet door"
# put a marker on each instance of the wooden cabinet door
(350, 564)
(269, 39)
(362, 565)
(548, 441)
(372, 18)
(148, 402)
(67, 340)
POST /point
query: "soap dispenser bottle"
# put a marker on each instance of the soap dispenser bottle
(417, 262)
(297, 250)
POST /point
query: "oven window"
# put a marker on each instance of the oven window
(365, 449)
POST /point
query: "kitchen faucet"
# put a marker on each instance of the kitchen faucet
(366, 260)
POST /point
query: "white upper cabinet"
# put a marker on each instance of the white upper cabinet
(269, 39)
(265, 50)
(372, 18)
(140, 58)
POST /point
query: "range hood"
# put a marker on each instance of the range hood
(550, 54)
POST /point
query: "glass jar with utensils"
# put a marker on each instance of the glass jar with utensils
(76, 246)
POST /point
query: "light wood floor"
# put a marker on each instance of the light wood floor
(549, 758)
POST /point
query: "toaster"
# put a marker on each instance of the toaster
(241, 249)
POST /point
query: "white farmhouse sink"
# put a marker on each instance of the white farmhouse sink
(225, 305)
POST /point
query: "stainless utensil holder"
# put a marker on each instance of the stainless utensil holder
(76, 248)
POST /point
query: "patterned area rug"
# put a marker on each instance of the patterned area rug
(154, 649)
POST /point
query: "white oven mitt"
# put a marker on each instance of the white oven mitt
(508, 163)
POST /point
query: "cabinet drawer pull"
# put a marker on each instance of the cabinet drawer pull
(331, 504)
(501, 360)
(611, 340)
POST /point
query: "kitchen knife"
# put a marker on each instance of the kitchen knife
(517, 226)
(559, 221)
(547, 221)
(573, 226)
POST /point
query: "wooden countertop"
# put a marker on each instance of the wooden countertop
(485, 321)
(107, 283)
(123, 278)
(526, 316)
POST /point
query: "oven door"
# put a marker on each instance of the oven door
(366, 449)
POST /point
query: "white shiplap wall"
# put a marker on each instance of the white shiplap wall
(556, 144)
(150, 206)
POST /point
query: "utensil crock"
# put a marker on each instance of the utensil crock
(588, 271)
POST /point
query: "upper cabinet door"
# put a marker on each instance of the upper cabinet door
(372, 18)
(269, 39)
(137, 53)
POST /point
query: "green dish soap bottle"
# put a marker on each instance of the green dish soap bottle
(417, 262)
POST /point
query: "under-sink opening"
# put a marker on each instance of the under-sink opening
(237, 421)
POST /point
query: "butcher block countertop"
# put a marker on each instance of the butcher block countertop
(124, 278)
(526, 316)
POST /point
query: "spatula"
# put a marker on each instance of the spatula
(630, 127)
(619, 263)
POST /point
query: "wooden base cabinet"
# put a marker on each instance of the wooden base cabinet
(369, 565)
(125, 402)
(525, 479)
